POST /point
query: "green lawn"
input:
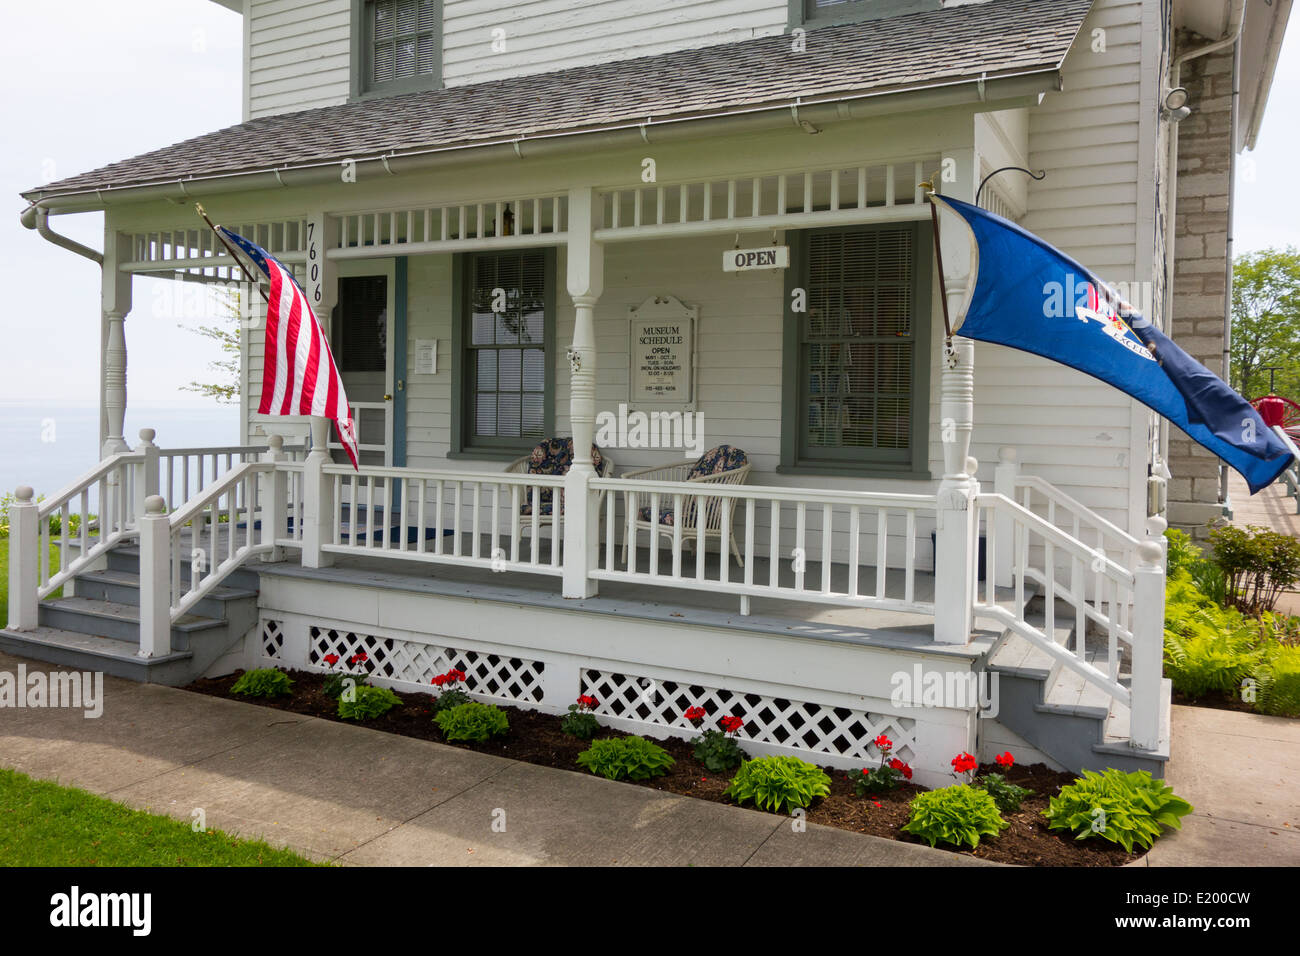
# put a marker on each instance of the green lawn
(4, 577)
(44, 824)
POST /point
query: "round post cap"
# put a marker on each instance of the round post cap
(24, 493)
(154, 505)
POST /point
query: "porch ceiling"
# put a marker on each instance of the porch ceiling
(1001, 38)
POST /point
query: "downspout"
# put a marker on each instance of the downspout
(37, 217)
(1227, 266)
(1236, 20)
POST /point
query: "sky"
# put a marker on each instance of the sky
(84, 83)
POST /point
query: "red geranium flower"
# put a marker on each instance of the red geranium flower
(884, 743)
(963, 763)
(901, 767)
(440, 680)
(454, 675)
(1005, 760)
(731, 724)
(694, 714)
(586, 701)
(331, 659)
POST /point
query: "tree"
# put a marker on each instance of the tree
(1266, 321)
(227, 337)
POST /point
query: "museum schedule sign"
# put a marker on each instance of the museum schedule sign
(662, 349)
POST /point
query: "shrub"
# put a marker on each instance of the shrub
(580, 722)
(1258, 564)
(264, 682)
(1124, 808)
(631, 758)
(1277, 683)
(778, 783)
(472, 721)
(958, 815)
(366, 702)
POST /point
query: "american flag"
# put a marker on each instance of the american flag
(299, 376)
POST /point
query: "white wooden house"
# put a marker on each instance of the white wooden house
(593, 168)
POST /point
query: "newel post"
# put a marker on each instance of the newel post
(24, 568)
(155, 579)
(585, 282)
(1148, 645)
(1004, 483)
(273, 488)
(318, 499)
(146, 471)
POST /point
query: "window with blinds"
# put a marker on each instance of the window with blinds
(360, 329)
(402, 45)
(510, 325)
(860, 384)
(843, 11)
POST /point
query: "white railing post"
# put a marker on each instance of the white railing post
(24, 562)
(1004, 483)
(274, 492)
(318, 500)
(956, 539)
(155, 579)
(1148, 646)
(146, 471)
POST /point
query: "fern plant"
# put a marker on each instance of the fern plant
(779, 784)
(472, 721)
(263, 682)
(366, 702)
(1277, 683)
(1124, 808)
(958, 815)
(626, 758)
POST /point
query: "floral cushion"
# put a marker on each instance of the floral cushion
(553, 456)
(716, 460)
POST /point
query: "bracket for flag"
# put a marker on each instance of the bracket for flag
(928, 186)
(198, 207)
(1036, 176)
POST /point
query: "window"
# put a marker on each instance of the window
(505, 350)
(396, 46)
(826, 12)
(856, 379)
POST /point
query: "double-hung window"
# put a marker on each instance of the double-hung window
(396, 46)
(820, 12)
(856, 356)
(505, 350)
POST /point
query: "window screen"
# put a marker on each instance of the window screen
(506, 360)
(404, 40)
(361, 326)
(857, 343)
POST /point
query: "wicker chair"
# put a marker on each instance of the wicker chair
(553, 456)
(723, 465)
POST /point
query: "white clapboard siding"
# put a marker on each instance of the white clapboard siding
(299, 55)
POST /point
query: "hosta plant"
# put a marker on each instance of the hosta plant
(580, 722)
(717, 748)
(958, 815)
(779, 784)
(626, 758)
(364, 702)
(888, 776)
(1124, 808)
(473, 721)
(264, 682)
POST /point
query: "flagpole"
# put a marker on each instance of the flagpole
(938, 258)
(248, 275)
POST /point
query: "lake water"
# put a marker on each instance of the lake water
(48, 445)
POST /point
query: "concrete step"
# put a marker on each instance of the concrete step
(97, 653)
(121, 622)
(123, 587)
(127, 559)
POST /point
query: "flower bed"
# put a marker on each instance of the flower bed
(538, 738)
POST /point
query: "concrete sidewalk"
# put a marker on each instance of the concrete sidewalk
(361, 797)
(1241, 774)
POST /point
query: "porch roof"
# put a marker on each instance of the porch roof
(1000, 38)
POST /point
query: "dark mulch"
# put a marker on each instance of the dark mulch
(536, 738)
(1215, 702)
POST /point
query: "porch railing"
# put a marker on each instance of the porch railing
(1291, 477)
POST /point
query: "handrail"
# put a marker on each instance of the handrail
(98, 473)
(1113, 569)
(868, 499)
(1075, 507)
(205, 497)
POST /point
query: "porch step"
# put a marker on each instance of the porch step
(98, 626)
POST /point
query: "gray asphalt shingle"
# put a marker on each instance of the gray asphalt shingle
(997, 38)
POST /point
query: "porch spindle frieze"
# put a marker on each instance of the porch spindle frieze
(195, 253)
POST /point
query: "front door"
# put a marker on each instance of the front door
(361, 335)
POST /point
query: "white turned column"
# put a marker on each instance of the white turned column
(155, 579)
(146, 471)
(1004, 483)
(273, 489)
(24, 568)
(115, 385)
(318, 499)
(1148, 645)
(956, 538)
(585, 282)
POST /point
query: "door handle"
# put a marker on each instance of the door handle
(388, 398)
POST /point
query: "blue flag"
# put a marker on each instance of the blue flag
(1031, 296)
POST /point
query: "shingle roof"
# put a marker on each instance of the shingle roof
(1000, 37)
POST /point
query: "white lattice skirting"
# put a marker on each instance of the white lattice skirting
(828, 726)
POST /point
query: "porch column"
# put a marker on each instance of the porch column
(955, 533)
(317, 487)
(115, 302)
(586, 281)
